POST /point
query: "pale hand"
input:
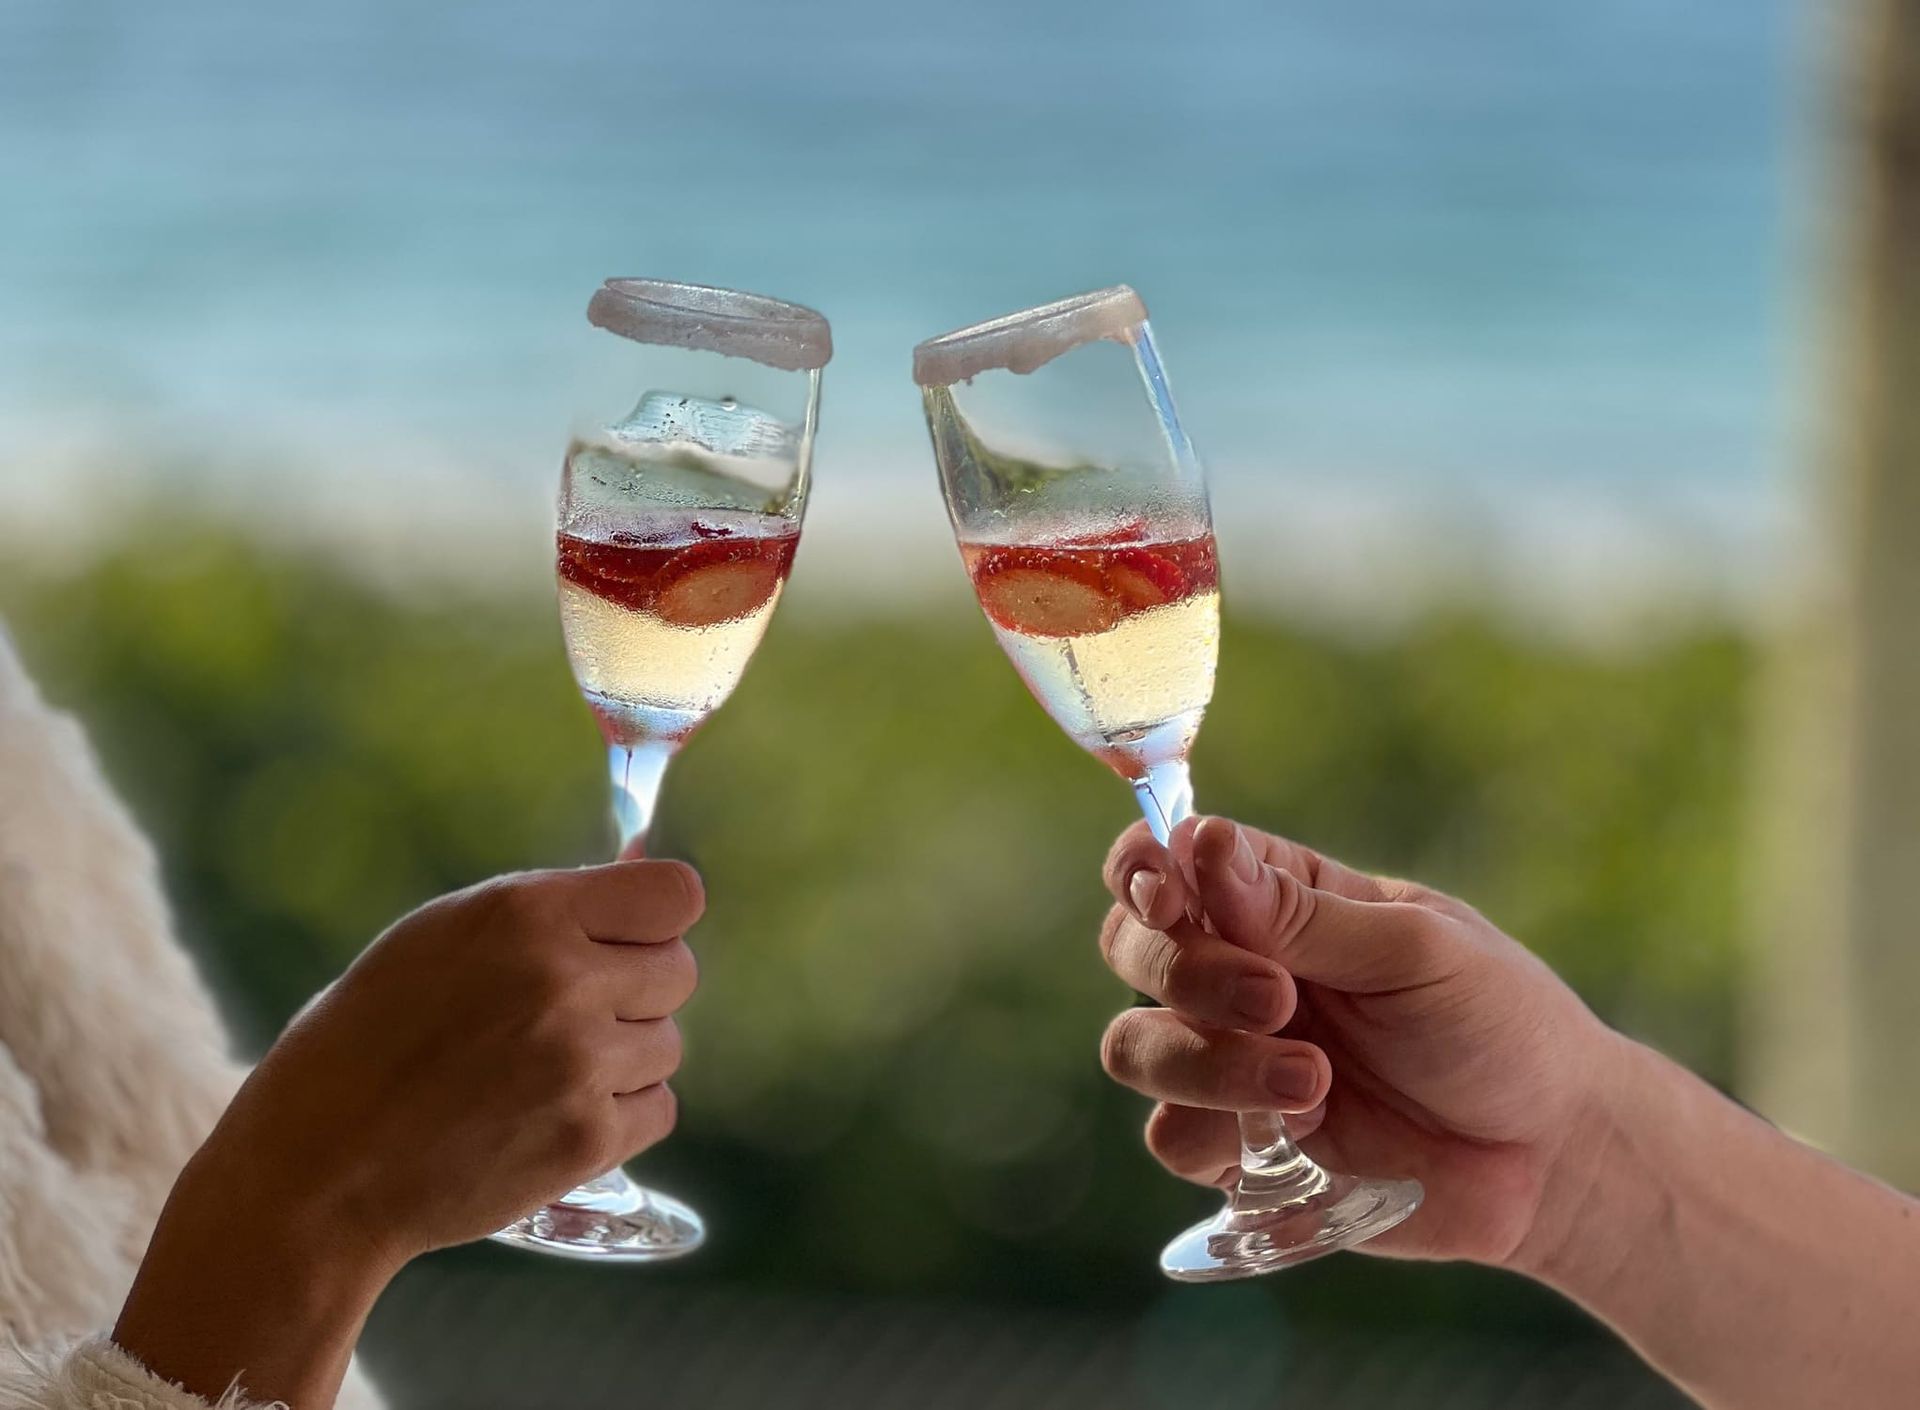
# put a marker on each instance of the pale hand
(1420, 1041)
(1751, 1270)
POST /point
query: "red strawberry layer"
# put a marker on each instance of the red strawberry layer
(695, 584)
(1080, 587)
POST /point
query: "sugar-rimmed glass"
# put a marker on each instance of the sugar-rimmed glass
(678, 526)
(1083, 520)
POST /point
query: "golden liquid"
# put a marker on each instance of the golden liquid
(1134, 693)
(653, 667)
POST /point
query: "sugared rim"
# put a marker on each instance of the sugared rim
(791, 337)
(1021, 342)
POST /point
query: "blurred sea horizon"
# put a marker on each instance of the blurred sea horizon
(1484, 296)
(1484, 316)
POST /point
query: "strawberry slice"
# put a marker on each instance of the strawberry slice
(621, 570)
(714, 582)
(1063, 598)
(1142, 579)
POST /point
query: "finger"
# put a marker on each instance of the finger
(641, 1054)
(1204, 1146)
(635, 850)
(645, 1117)
(1358, 946)
(1199, 974)
(1162, 1055)
(636, 903)
(1194, 1143)
(1180, 843)
(649, 981)
(1314, 868)
(1142, 876)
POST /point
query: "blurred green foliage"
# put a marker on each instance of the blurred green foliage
(891, 1078)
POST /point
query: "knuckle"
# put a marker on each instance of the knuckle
(658, 1114)
(1437, 926)
(566, 1056)
(1160, 957)
(1422, 924)
(673, 1047)
(1187, 981)
(489, 901)
(551, 981)
(1120, 1047)
(581, 1133)
(575, 1064)
(1183, 1147)
(682, 973)
(659, 889)
(519, 904)
(1287, 904)
(1163, 1134)
(1426, 932)
(1110, 929)
(694, 888)
(1240, 1071)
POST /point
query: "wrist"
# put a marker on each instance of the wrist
(284, 1220)
(251, 1278)
(304, 1200)
(1597, 1190)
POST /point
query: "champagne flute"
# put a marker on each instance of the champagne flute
(1082, 517)
(678, 525)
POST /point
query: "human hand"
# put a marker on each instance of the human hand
(486, 1054)
(1419, 1039)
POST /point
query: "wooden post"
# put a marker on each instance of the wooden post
(1834, 1037)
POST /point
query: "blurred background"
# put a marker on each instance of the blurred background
(1488, 320)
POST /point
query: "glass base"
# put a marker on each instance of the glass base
(1244, 1243)
(610, 1220)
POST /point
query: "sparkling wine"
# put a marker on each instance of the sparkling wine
(1116, 633)
(662, 614)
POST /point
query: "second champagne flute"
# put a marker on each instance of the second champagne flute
(678, 524)
(1082, 517)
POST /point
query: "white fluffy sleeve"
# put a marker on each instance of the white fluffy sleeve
(97, 1375)
(113, 1063)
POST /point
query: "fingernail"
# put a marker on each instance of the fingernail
(1243, 864)
(1293, 1079)
(1256, 999)
(1143, 887)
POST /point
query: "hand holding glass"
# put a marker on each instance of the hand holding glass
(1082, 517)
(678, 525)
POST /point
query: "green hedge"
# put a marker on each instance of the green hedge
(891, 1078)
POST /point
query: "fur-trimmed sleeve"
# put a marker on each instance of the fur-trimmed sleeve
(97, 1375)
(113, 1066)
(100, 1006)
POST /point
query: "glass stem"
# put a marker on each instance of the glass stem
(636, 771)
(1165, 792)
(1273, 1170)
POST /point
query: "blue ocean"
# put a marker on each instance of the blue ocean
(1401, 256)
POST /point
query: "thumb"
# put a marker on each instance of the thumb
(635, 850)
(1362, 947)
